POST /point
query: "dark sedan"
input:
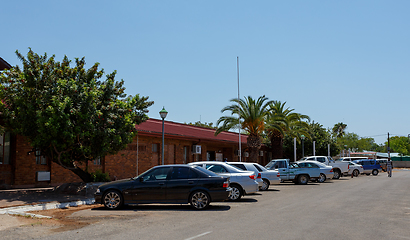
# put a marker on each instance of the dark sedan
(166, 184)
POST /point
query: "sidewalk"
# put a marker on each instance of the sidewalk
(18, 201)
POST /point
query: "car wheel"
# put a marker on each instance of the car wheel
(322, 178)
(113, 200)
(265, 185)
(355, 172)
(236, 193)
(303, 179)
(375, 172)
(199, 200)
(336, 174)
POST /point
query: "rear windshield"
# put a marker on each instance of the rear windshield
(205, 172)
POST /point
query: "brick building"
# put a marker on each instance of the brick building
(20, 167)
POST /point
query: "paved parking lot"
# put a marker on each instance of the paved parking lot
(367, 207)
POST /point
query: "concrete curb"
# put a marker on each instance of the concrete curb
(21, 210)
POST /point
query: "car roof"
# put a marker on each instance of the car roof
(249, 163)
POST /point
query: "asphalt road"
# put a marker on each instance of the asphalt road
(367, 207)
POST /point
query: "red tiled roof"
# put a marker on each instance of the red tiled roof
(4, 64)
(179, 130)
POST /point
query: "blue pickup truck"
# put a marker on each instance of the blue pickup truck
(288, 171)
(370, 166)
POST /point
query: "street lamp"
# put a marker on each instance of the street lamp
(163, 113)
(303, 146)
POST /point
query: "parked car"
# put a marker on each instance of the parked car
(293, 172)
(355, 169)
(325, 171)
(268, 176)
(383, 163)
(369, 166)
(339, 168)
(241, 182)
(166, 184)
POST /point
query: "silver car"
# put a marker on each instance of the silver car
(268, 176)
(355, 169)
(241, 182)
(325, 170)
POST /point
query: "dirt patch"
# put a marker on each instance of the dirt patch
(62, 219)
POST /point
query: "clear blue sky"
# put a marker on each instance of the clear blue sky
(336, 61)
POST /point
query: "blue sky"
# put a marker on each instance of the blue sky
(336, 61)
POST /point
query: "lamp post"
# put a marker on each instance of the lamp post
(163, 113)
(303, 146)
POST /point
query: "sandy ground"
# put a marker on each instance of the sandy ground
(62, 219)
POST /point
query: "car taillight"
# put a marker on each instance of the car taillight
(259, 175)
(252, 177)
(278, 175)
(348, 166)
(331, 170)
(226, 184)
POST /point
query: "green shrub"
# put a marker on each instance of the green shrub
(99, 176)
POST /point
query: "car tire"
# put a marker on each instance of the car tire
(356, 173)
(375, 172)
(113, 200)
(236, 192)
(265, 185)
(199, 200)
(303, 179)
(322, 178)
(336, 174)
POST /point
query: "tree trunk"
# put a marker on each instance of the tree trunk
(85, 176)
(253, 154)
(277, 146)
(254, 144)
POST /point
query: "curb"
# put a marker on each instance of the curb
(21, 210)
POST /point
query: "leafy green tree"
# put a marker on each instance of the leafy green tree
(68, 113)
(205, 125)
(400, 145)
(355, 143)
(283, 122)
(252, 115)
(322, 138)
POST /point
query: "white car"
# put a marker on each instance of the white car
(268, 176)
(241, 182)
(325, 170)
(355, 169)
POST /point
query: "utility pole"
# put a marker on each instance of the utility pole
(239, 117)
(388, 146)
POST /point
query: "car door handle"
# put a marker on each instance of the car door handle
(190, 182)
(161, 183)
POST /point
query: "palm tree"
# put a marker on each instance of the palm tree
(339, 129)
(252, 116)
(281, 121)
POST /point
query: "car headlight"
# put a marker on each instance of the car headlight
(98, 190)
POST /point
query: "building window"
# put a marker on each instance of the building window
(5, 148)
(40, 159)
(155, 147)
(186, 152)
(97, 161)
